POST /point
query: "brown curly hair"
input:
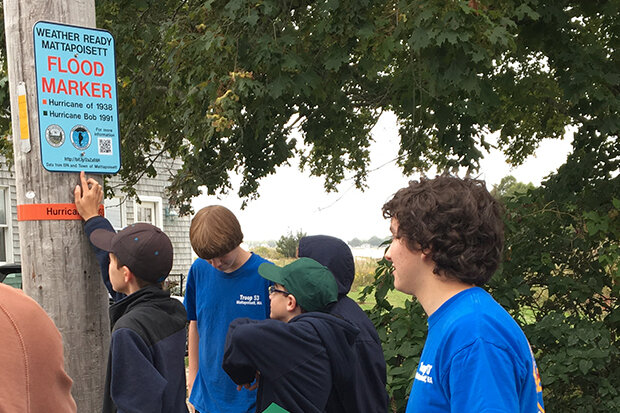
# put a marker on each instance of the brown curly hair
(457, 220)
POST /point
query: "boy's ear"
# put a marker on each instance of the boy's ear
(291, 302)
(127, 274)
(426, 254)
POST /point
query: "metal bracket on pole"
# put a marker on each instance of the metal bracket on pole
(24, 130)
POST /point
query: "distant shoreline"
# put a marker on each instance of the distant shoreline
(363, 251)
(370, 252)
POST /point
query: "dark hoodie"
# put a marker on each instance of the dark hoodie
(146, 368)
(336, 255)
(304, 364)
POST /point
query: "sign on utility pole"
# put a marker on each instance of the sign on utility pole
(58, 268)
(76, 96)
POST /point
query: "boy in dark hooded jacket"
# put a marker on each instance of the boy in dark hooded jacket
(336, 255)
(146, 370)
(301, 356)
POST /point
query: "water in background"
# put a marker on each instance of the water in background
(368, 252)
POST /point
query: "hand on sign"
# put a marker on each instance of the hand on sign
(88, 196)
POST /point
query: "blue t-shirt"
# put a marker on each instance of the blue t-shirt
(213, 299)
(476, 359)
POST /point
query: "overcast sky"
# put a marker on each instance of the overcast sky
(291, 200)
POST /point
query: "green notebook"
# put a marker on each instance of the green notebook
(274, 408)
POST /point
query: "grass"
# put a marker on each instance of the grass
(396, 298)
(364, 272)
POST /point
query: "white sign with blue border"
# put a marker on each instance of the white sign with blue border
(76, 94)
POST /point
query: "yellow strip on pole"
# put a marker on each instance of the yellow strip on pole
(24, 130)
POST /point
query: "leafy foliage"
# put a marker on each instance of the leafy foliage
(560, 280)
(242, 86)
(287, 244)
(510, 188)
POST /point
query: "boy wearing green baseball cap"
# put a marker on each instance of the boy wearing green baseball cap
(302, 355)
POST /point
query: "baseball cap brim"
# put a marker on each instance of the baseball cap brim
(271, 272)
(102, 239)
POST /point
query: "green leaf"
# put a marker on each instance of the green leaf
(525, 10)
(335, 60)
(585, 366)
(277, 87)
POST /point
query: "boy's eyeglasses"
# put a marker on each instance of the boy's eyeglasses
(273, 289)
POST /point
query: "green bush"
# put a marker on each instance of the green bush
(365, 268)
(267, 253)
(287, 244)
(559, 279)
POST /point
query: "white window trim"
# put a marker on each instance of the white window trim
(159, 210)
(123, 205)
(8, 241)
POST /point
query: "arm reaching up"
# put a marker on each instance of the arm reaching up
(88, 195)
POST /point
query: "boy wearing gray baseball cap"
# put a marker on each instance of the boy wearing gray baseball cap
(302, 356)
(146, 367)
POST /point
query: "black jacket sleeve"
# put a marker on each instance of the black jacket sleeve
(102, 256)
(255, 345)
(240, 354)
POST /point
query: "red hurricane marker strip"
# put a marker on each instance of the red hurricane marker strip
(49, 212)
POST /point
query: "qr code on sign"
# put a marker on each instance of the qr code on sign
(105, 146)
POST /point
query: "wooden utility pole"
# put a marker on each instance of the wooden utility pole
(58, 267)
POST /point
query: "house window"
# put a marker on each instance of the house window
(149, 210)
(115, 212)
(6, 250)
(146, 212)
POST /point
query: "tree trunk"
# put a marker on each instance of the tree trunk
(59, 269)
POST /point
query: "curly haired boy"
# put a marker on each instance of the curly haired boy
(447, 243)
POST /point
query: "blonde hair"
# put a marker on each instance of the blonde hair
(214, 231)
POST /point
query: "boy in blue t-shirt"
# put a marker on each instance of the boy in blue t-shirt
(447, 241)
(223, 284)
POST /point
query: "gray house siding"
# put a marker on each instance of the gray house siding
(176, 227)
(151, 190)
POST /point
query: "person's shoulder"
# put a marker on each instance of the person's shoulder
(482, 308)
(256, 260)
(352, 312)
(482, 318)
(200, 264)
(200, 270)
(471, 304)
(153, 323)
(11, 293)
(132, 319)
(18, 306)
(319, 320)
(174, 306)
(349, 309)
(250, 267)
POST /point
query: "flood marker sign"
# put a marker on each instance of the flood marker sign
(76, 95)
